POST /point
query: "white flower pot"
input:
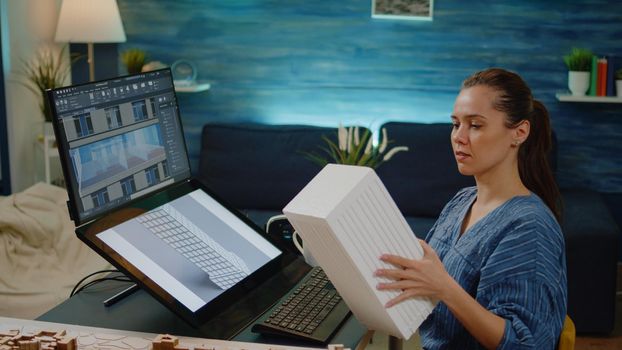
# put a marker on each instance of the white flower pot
(578, 82)
(48, 129)
(619, 88)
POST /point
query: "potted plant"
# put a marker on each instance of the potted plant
(579, 63)
(47, 70)
(355, 149)
(134, 60)
(619, 82)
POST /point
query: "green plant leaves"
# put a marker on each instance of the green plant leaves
(46, 71)
(354, 150)
(134, 60)
(579, 60)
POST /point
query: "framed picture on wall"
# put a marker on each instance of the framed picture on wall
(402, 9)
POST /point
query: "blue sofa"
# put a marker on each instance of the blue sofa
(260, 168)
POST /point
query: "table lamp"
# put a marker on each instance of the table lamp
(90, 21)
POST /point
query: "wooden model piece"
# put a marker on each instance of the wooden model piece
(203, 347)
(170, 342)
(43, 340)
(67, 344)
(165, 342)
(48, 340)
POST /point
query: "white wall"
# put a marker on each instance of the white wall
(31, 25)
(5, 58)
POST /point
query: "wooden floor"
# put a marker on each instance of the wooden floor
(614, 340)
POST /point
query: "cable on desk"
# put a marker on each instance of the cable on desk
(118, 278)
(77, 289)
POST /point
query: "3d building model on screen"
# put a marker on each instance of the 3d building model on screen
(223, 267)
(120, 139)
(117, 151)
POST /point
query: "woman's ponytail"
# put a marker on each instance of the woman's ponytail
(533, 160)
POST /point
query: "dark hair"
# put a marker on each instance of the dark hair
(516, 101)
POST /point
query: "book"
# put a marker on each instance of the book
(601, 89)
(593, 76)
(347, 219)
(611, 66)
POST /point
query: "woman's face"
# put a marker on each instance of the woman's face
(481, 142)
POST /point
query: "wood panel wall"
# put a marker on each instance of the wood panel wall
(324, 62)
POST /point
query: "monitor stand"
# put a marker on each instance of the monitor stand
(122, 294)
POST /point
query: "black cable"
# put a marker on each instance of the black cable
(96, 281)
(89, 275)
(99, 280)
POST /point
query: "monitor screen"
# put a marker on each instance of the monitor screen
(131, 195)
(193, 247)
(122, 138)
(194, 253)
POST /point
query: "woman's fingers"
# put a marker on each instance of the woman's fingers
(426, 247)
(395, 274)
(407, 294)
(428, 252)
(398, 261)
(401, 285)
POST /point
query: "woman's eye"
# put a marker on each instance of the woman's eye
(475, 126)
(455, 125)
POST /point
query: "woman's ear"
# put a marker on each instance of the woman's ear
(521, 132)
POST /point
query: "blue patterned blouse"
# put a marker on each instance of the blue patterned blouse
(512, 261)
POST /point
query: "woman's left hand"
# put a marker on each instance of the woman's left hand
(415, 278)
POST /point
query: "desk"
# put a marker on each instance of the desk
(140, 312)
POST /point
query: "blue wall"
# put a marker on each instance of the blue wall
(322, 62)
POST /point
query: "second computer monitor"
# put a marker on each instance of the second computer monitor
(123, 137)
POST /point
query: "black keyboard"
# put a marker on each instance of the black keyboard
(312, 311)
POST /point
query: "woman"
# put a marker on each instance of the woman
(495, 259)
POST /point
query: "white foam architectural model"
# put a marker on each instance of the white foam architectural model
(347, 219)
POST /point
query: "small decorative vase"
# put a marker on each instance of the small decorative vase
(48, 129)
(619, 88)
(48, 134)
(578, 82)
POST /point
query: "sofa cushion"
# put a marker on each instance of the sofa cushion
(591, 253)
(255, 166)
(420, 225)
(424, 179)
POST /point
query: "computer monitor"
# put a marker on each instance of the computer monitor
(123, 138)
(133, 199)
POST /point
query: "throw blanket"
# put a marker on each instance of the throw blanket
(41, 258)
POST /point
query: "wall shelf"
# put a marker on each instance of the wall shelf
(198, 87)
(565, 97)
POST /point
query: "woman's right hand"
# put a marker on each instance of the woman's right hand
(415, 278)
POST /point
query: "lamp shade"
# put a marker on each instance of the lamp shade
(89, 21)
